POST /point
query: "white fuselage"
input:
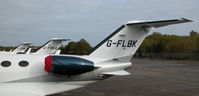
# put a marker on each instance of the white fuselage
(5, 52)
(34, 71)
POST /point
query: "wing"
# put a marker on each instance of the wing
(120, 72)
(39, 89)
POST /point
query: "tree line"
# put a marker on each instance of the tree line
(154, 43)
(162, 43)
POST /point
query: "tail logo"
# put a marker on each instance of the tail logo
(121, 43)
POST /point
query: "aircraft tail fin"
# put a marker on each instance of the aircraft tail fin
(22, 47)
(51, 46)
(126, 40)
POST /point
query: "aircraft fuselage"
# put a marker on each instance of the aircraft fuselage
(34, 69)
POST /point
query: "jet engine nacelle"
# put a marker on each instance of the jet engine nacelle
(67, 65)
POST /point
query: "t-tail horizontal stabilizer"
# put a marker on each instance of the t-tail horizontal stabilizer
(157, 24)
(125, 41)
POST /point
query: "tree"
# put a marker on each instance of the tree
(193, 33)
(78, 48)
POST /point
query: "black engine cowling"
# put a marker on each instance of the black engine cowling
(67, 65)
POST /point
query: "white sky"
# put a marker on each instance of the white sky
(37, 21)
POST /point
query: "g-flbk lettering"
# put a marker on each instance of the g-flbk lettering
(121, 43)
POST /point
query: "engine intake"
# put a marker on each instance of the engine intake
(67, 65)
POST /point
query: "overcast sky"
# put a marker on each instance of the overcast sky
(37, 21)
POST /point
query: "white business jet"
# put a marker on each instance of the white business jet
(43, 74)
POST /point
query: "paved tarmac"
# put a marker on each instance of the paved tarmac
(148, 78)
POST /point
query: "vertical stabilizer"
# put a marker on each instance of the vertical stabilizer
(51, 46)
(125, 41)
(22, 47)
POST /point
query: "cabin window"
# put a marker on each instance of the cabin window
(23, 63)
(5, 63)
